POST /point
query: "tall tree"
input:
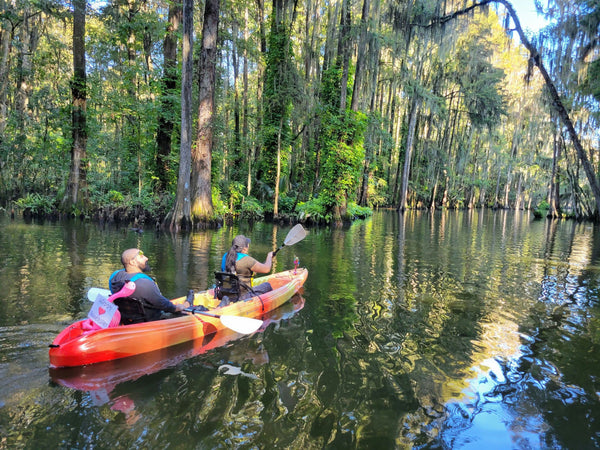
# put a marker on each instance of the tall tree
(202, 206)
(167, 110)
(361, 56)
(76, 194)
(554, 194)
(414, 107)
(180, 216)
(280, 90)
(344, 48)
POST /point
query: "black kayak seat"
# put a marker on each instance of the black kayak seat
(227, 284)
(132, 310)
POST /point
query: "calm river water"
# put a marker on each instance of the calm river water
(447, 330)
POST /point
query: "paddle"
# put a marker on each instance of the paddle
(243, 325)
(94, 292)
(296, 234)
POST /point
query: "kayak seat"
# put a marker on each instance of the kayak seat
(131, 309)
(227, 284)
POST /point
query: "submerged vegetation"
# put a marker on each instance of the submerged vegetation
(320, 112)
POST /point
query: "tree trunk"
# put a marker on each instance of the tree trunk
(446, 188)
(167, 108)
(409, 148)
(247, 148)
(344, 45)
(360, 58)
(518, 200)
(259, 92)
(363, 197)
(132, 119)
(202, 207)
(555, 184)
(434, 193)
(180, 216)
(76, 193)
(496, 202)
(236, 97)
(507, 186)
(5, 40)
(278, 172)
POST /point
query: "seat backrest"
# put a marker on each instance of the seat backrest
(227, 284)
(132, 310)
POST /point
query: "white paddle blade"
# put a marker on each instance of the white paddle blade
(296, 234)
(94, 293)
(244, 325)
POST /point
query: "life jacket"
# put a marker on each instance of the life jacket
(137, 276)
(239, 256)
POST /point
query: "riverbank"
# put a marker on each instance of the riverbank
(152, 212)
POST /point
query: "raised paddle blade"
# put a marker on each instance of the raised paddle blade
(94, 292)
(296, 234)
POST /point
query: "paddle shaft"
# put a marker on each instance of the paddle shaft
(244, 325)
(192, 310)
(275, 252)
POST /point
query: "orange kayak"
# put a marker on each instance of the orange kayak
(75, 346)
(103, 377)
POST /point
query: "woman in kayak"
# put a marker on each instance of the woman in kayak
(237, 261)
(135, 263)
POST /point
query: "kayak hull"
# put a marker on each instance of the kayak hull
(103, 377)
(75, 346)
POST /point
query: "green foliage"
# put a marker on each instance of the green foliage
(541, 210)
(220, 209)
(281, 89)
(115, 196)
(480, 83)
(342, 141)
(149, 203)
(358, 212)
(154, 203)
(251, 209)
(377, 192)
(330, 91)
(340, 172)
(36, 204)
(286, 204)
(236, 194)
(466, 77)
(313, 210)
(591, 83)
(543, 205)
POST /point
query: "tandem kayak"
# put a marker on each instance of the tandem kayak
(77, 346)
(103, 377)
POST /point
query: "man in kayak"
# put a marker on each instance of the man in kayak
(237, 261)
(135, 263)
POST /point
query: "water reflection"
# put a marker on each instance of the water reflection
(450, 329)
